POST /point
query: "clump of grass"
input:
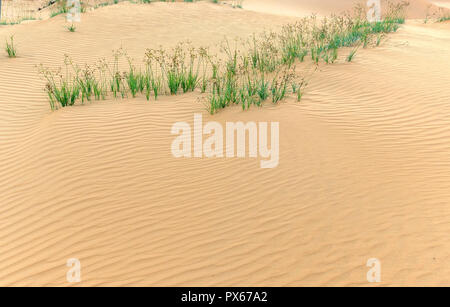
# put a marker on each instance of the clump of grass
(443, 15)
(134, 80)
(279, 88)
(88, 84)
(63, 93)
(16, 21)
(171, 65)
(352, 54)
(443, 18)
(152, 79)
(71, 28)
(100, 87)
(264, 54)
(262, 89)
(330, 55)
(293, 45)
(117, 78)
(10, 49)
(237, 4)
(61, 10)
(182, 68)
(190, 73)
(62, 90)
(299, 88)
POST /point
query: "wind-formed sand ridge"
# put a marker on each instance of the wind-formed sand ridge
(363, 173)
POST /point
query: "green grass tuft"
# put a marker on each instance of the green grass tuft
(11, 50)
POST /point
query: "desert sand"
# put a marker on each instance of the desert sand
(441, 3)
(364, 166)
(417, 8)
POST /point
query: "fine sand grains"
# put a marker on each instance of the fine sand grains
(363, 173)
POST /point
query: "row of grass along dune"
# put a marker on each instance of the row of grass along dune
(246, 72)
(363, 166)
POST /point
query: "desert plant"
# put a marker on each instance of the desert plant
(443, 15)
(134, 80)
(262, 89)
(10, 48)
(62, 90)
(279, 90)
(352, 54)
(71, 28)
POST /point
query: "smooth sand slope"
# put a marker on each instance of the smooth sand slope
(417, 8)
(364, 166)
(442, 3)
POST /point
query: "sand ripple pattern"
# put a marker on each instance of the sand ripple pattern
(364, 167)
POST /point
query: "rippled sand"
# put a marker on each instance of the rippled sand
(364, 165)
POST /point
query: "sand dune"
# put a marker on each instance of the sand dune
(417, 8)
(442, 3)
(364, 169)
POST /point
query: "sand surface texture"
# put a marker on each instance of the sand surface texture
(364, 164)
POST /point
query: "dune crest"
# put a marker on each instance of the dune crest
(417, 8)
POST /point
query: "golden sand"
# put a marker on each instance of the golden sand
(364, 165)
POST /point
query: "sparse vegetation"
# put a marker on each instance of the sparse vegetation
(352, 53)
(237, 4)
(246, 73)
(62, 90)
(10, 48)
(71, 28)
(443, 15)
